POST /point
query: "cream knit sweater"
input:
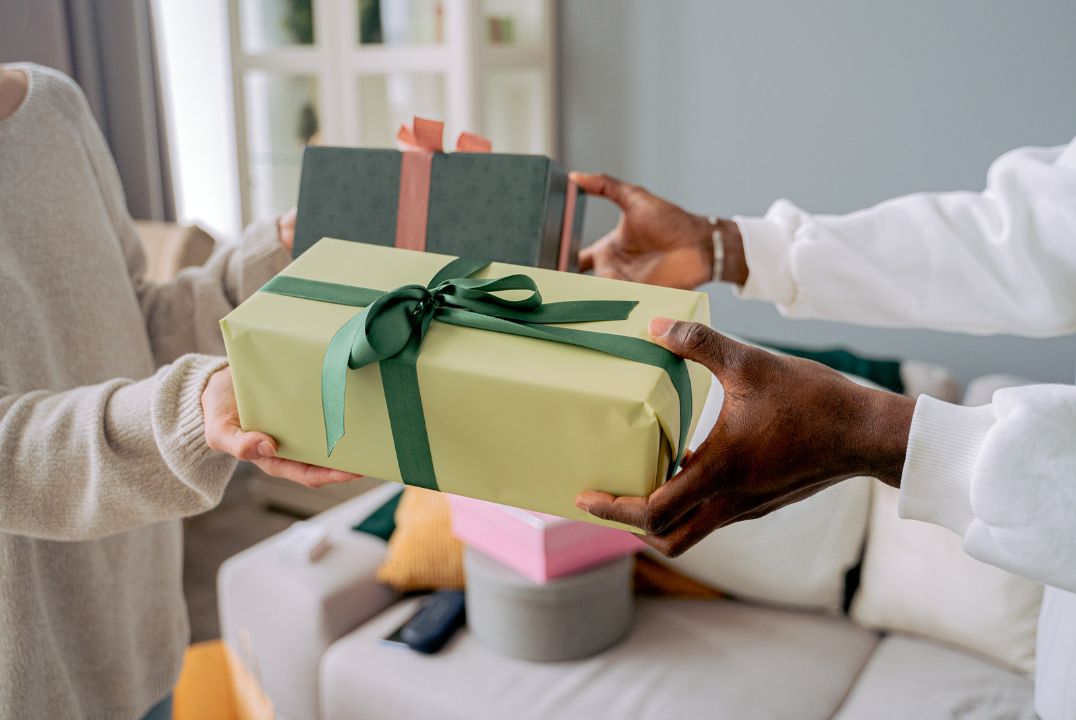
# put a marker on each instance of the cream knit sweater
(101, 433)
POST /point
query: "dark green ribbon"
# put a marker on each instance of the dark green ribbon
(390, 328)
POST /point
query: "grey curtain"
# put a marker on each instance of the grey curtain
(107, 46)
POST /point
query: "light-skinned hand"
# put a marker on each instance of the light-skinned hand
(223, 433)
(285, 229)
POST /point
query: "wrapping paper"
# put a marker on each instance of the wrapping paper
(513, 420)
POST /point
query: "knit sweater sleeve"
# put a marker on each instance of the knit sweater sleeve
(101, 459)
(182, 314)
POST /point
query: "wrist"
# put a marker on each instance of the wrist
(726, 247)
(881, 433)
(703, 237)
(734, 269)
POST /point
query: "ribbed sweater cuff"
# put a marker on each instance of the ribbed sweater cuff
(258, 258)
(943, 448)
(261, 244)
(174, 416)
(178, 420)
(767, 246)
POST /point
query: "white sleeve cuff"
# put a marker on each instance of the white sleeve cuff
(767, 246)
(943, 448)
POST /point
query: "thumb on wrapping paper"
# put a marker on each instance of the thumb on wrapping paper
(694, 341)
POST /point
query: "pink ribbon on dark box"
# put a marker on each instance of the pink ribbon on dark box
(418, 144)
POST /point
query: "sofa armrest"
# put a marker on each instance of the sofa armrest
(279, 615)
(170, 248)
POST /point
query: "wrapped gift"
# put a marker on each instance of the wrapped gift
(517, 385)
(538, 546)
(519, 209)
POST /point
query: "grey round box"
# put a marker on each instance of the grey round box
(563, 619)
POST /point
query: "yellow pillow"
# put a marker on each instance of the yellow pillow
(423, 553)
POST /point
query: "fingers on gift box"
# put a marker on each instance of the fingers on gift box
(517, 385)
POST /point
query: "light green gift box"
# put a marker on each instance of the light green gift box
(515, 420)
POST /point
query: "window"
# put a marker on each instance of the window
(341, 72)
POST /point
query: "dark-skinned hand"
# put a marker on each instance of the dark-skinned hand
(657, 242)
(788, 428)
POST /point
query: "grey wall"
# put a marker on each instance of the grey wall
(835, 104)
(35, 31)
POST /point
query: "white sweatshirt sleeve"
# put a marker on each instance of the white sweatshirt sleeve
(1000, 261)
(1002, 475)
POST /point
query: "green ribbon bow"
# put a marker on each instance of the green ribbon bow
(390, 328)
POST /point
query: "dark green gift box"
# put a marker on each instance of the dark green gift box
(507, 208)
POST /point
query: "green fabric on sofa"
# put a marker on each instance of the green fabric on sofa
(885, 373)
(381, 522)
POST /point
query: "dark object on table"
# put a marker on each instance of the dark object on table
(436, 621)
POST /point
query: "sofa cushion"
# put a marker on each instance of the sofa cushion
(912, 678)
(169, 248)
(683, 658)
(916, 578)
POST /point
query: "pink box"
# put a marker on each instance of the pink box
(539, 546)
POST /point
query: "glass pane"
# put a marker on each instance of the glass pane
(401, 22)
(267, 24)
(282, 117)
(389, 101)
(513, 22)
(514, 113)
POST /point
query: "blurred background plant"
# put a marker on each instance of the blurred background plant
(370, 21)
(298, 21)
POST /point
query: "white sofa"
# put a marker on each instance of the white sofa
(311, 633)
